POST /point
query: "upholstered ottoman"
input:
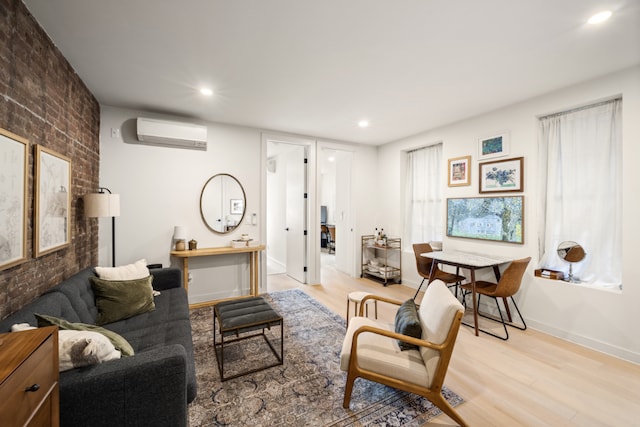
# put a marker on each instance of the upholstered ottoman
(237, 319)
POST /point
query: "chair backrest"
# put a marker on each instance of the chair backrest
(440, 318)
(511, 279)
(423, 264)
(332, 233)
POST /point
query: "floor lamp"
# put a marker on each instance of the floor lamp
(104, 204)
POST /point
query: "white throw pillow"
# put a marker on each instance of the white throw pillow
(79, 348)
(84, 348)
(137, 270)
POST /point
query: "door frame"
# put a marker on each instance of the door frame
(313, 227)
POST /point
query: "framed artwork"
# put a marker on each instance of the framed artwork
(53, 201)
(460, 171)
(13, 199)
(502, 176)
(493, 146)
(487, 218)
(237, 206)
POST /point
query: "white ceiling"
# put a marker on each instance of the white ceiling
(317, 67)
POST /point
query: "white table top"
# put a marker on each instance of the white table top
(470, 259)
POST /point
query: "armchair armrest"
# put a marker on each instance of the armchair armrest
(392, 335)
(166, 278)
(372, 297)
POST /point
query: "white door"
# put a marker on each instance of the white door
(343, 217)
(296, 214)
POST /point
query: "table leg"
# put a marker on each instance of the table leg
(475, 299)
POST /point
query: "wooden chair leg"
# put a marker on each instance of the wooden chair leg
(442, 403)
(348, 388)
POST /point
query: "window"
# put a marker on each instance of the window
(580, 161)
(423, 195)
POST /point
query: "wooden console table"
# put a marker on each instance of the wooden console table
(254, 271)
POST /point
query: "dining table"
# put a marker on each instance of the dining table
(471, 261)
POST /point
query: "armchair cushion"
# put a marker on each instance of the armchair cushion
(408, 323)
(382, 354)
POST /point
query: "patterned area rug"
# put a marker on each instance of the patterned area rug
(307, 390)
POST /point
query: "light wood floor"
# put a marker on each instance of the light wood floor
(533, 379)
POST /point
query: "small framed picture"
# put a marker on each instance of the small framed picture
(502, 176)
(493, 146)
(237, 206)
(52, 201)
(460, 171)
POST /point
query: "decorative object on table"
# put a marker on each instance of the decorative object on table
(496, 145)
(487, 218)
(180, 236)
(193, 244)
(14, 162)
(104, 204)
(502, 176)
(245, 237)
(460, 171)
(52, 201)
(571, 252)
(307, 389)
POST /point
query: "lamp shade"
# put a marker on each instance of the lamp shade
(180, 232)
(98, 205)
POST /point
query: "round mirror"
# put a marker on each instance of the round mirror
(571, 251)
(222, 203)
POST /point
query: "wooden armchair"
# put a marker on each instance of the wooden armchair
(370, 349)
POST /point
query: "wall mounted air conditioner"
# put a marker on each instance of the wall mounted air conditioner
(171, 134)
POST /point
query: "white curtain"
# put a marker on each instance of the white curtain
(423, 186)
(580, 161)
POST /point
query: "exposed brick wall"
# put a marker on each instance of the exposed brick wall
(43, 100)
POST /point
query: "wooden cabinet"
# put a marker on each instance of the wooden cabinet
(382, 260)
(29, 394)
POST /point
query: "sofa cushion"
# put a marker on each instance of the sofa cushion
(121, 299)
(53, 304)
(77, 289)
(84, 348)
(119, 342)
(408, 323)
(137, 270)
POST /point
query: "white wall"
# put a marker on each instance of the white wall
(160, 188)
(599, 319)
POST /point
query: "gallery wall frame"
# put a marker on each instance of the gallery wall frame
(487, 218)
(52, 230)
(492, 146)
(501, 176)
(459, 171)
(14, 162)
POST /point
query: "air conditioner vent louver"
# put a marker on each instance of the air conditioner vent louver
(171, 134)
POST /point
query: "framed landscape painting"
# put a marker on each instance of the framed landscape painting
(493, 146)
(502, 176)
(13, 199)
(52, 200)
(487, 218)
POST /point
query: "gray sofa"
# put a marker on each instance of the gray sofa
(150, 388)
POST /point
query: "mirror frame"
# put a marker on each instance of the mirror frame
(567, 246)
(244, 198)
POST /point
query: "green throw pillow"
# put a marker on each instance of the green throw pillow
(121, 299)
(117, 340)
(408, 323)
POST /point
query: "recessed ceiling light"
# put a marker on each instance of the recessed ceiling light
(206, 91)
(331, 159)
(363, 123)
(600, 17)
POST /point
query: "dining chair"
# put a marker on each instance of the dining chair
(423, 264)
(506, 288)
